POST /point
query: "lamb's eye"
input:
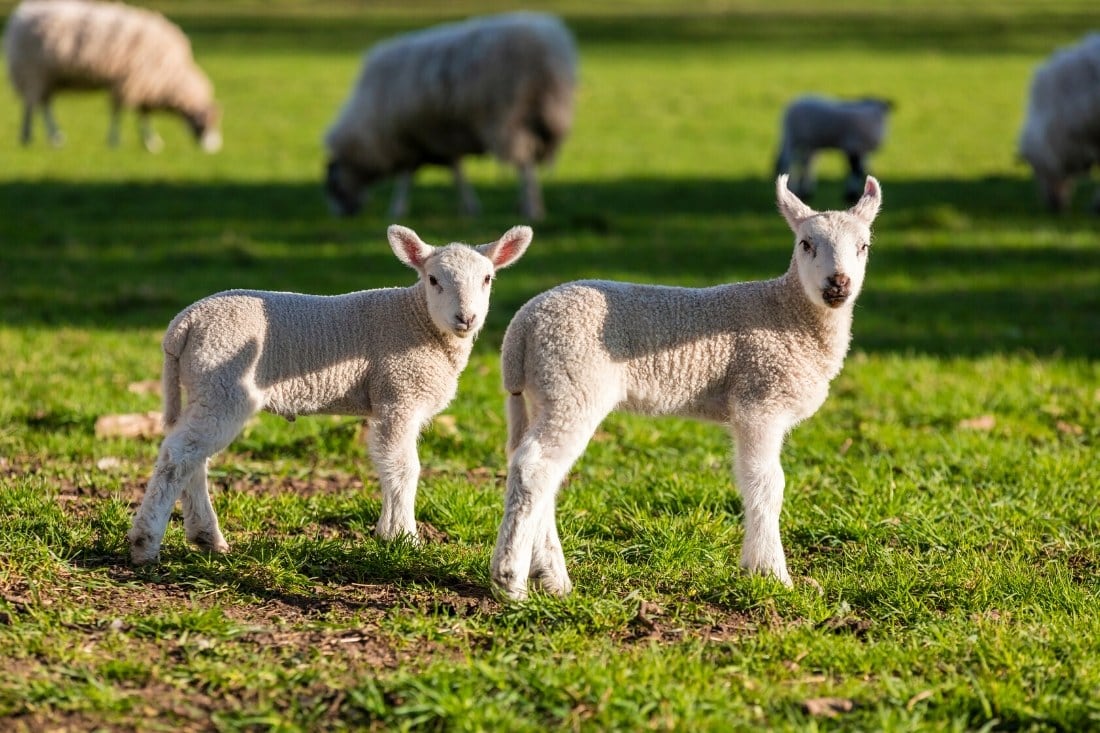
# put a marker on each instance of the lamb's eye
(433, 281)
(863, 247)
(806, 246)
(488, 279)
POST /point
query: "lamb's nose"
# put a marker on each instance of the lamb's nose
(840, 281)
(467, 321)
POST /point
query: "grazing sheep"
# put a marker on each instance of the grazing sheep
(142, 58)
(1061, 137)
(756, 356)
(812, 124)
(500, 84)
(392, 355)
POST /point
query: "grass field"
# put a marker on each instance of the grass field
(941, 512)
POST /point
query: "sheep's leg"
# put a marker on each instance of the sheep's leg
(200, 434)
(466, 196)
(760, 479)
(200, 522)
(530, 192)
(399, 204)
(25, 132)
(802, 175)
(535, 471)
(149, 138)
(113, 135)
(53, 132)
(393, 450)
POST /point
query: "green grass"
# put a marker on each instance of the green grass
(940, 510)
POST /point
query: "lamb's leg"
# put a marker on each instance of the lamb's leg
(399, 204)
(393, 450)
(760, 479)
(200, 434)
(200, 522)
(535, 471)
(853, 186)
(466, 197)
(531, 193)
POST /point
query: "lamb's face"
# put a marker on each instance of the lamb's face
(458, 280)
(831, 248)
(831, 251)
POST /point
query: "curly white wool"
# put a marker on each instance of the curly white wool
(756, 356)
(392, 355)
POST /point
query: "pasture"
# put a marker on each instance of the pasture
(941, 515)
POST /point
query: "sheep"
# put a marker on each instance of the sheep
(812, 123)
(143, 59)
(392, 355)
(1061, 135)
(499, 84)
(756, 356)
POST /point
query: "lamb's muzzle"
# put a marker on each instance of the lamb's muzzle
(840, 287)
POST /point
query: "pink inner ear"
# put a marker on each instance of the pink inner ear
(412, 251)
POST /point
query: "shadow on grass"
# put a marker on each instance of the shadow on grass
(959, 268)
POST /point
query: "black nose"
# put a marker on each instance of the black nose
(839, 281)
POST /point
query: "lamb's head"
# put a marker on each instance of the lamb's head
(457, 278)
(205, 125)
(831, 247)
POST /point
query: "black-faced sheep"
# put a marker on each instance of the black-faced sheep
(500, 84)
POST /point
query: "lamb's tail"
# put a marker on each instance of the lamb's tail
(513, 370)
(175, 339)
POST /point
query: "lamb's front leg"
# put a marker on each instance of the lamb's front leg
(760, 481)
(393, 450)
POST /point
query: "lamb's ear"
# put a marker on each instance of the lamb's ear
(409, 247)
(792, 208)
(868, 205)
(508, 248)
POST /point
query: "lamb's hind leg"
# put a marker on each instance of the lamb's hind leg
(760, 480)
(181, 467)
(528, 544)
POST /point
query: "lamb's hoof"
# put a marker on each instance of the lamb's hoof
(209, 542)
(143, 550)
(397, 535)
(554, 585)
(505, 588)
(779, 574)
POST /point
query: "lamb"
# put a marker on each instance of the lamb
(499, 84)
(812, 123)
(143, 59)
(391, 355)
(756, 356)
(1061, 136)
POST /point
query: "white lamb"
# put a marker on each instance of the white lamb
(142, 58)
(500, 84)
(392, 355)
(756, 356)
(1061, 137)
(812, 124)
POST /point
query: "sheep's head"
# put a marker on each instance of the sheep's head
(831, 247)
(346, 187)
(205, 125)
(457, 278)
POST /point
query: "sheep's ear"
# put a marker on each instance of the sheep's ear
(508, 248)
(868, 205)
(408, 247)
(792, 208)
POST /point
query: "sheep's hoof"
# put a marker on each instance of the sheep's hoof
(57, 140)
(209, 542)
